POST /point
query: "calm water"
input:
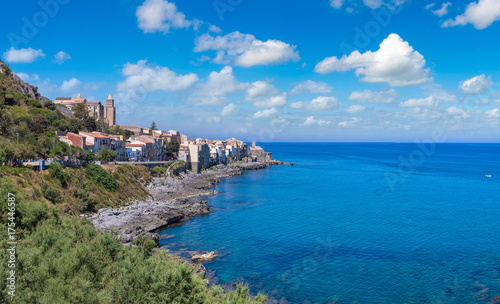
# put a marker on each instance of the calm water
(331, 227)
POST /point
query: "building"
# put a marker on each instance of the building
(96, 141)
(74, 139)
(106, 112)
(197, 156)
(135, 129)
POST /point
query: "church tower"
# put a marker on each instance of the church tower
(110, 111)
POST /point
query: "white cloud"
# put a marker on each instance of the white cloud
(215, 119)
(428, 6)
(368, 96)
(266, 113)
(28, 55)
(142, 78)
(481, 14)
(245, 50)
(476, 85)
(373, 4)
(493, 113)
(215, 90)
(482, 102)
(457, 113)
(310, 86)
(312, 121)
(229, 109)
(322, 103)
(396, 63)
(336, 3)
(443, 10)
(69, 85)
(263, 94)
(215, 29)
(351, 123)
(60, 57)
(355, 109)
(159, 16)
(428, 102)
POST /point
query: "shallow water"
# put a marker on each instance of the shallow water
(332, 227)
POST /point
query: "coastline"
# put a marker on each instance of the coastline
(172, 200)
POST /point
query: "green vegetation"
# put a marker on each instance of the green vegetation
(101, 177)
(106, 154)
(61, 258)
(64, 259)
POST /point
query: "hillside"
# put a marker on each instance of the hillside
(59, 257)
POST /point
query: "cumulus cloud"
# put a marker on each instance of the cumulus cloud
(495, 95)
(60, 57)
(229, 109)
(69, 85)
(310, 121)
(396, 63)
(428, 6)
(266, 113)
(355, 109)
(322, 103)
(28, 55)
(245, 50)
(263, 94)
(428, 102)
(493, 113)
(480, 14)
(159, 16)
(215, 29)
(443, 10)
(476, 85)
(457, 113)
(368, 96)
(142, 78)
(215, 90)
(310, 86)
(336, 3)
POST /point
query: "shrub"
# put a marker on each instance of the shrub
(52, 193)
(63, 176)
(101, 177)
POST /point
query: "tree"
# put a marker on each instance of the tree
(80, 111)
(153, 126)
(106, 154)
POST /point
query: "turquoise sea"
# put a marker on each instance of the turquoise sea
(359, 222)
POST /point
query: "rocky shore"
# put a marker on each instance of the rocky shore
(172, 200)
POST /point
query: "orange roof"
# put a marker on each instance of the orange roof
(96, 135)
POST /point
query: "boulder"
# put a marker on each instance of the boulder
(204, 256)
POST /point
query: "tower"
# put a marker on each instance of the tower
(110, 111)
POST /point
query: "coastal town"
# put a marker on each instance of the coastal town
(150, 145)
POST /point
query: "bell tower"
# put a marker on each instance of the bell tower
(110, 111)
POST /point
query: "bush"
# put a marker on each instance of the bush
(101, 177)
(52, 193)
(63, 176)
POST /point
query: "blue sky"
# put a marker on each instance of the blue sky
(327, 70)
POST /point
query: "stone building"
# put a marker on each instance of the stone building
(95, 108)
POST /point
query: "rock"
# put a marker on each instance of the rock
(199, 269)
(204, 257)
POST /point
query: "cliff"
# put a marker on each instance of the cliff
(11, 83)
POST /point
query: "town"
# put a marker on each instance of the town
(150, 145)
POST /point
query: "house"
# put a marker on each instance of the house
(74, 139)
(95, 141)
(135, 129)
(135, 152)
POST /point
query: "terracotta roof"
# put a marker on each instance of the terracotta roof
(63, 98)
(96, 135)
(133, 145)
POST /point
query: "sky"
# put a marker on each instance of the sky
(282, 71)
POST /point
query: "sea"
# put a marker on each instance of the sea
(363, 223)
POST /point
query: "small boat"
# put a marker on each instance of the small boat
(487, 175)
